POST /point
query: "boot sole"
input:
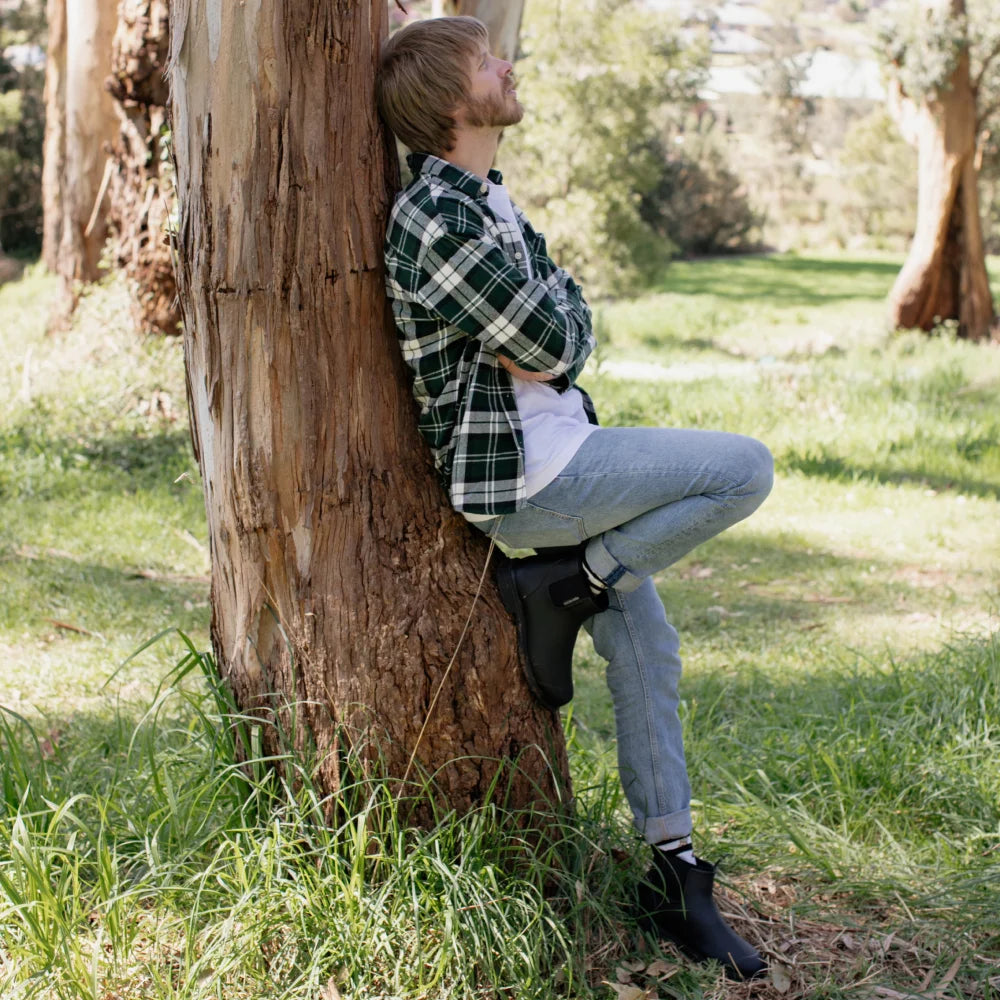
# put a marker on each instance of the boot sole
(507, 586)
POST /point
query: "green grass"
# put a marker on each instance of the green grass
(841, 698)
(102, 542)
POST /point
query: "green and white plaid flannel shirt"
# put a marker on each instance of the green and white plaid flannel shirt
(461, 295)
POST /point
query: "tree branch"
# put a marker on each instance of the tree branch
(981, 140)
(987, 61)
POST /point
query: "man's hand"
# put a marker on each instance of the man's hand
(520, 373)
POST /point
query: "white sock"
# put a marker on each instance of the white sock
(680, 848)
(597, 585)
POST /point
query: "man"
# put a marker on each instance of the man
(496, 335)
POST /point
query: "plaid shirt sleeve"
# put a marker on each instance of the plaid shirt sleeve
(469, 282)
(460, 298)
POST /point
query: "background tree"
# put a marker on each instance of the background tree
(141, 192)
(502, 19)
(936, 82)
(341, 580)
(80, 124)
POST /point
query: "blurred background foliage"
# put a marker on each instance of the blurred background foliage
(631, 154)
(606, 84)
(22, 125)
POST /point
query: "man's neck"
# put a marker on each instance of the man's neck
(474, 150)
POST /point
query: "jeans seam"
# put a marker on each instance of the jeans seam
(654, 757)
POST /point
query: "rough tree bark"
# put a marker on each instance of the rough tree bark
(141, 194)
(340, 578)
(79, 125)
(944, 276)
(502, 19)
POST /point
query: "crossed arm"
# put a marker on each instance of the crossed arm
(539, 328)
(523, 373)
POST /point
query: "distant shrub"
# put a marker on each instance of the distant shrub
(698, 202)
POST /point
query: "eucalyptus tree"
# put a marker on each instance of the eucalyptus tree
(502, 19)
(341, 579)
(943, 57)
(141, 199)
(80, 123)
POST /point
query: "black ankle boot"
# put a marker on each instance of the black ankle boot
(675, 902)
(549, 599)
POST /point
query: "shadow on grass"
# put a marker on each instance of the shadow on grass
(752, 601)
(895, 752)
(820, 463)
(46, 588)
(47, 466)
(67, 496)
(909, 740)
(784, 280)
(664, 341)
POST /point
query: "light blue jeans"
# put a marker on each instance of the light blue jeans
(642, 497)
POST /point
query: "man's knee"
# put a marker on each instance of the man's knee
(758, 472)
(764, 461)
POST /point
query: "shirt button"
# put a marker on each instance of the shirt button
(483, 189)
(518, 255)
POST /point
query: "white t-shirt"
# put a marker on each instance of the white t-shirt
(554, 424)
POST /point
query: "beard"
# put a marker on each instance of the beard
(495, 111)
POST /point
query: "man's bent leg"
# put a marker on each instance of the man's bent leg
(644, 497)
(681, 488)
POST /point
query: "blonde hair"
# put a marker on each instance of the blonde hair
(423, 77)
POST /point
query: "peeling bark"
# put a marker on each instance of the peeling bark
(341, 580)
(141, 193)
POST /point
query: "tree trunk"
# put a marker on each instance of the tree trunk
(944, 276)
(80, 124)
(141, 194)
(502, 20)
(341, 580)
(54, 149)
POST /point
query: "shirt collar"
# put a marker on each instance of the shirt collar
(466, 181)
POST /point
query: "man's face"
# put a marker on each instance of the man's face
(492, 100)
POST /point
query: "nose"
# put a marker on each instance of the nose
(505, 68)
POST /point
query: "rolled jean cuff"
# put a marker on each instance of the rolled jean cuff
(656, 829)
(604, 565)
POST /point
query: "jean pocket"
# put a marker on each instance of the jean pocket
(534, 527)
